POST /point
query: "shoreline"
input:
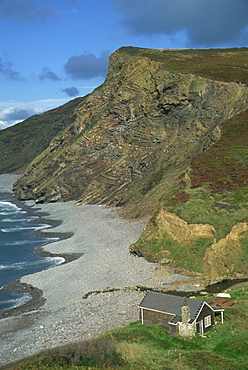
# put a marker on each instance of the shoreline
(98, 291)
(16, 286)
(58, 314)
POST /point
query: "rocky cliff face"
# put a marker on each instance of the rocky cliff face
(219, 259)
(133, 138)
(180, 230)
(158, 137)
(223, 258)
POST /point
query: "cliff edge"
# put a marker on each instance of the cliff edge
(134, 136)
(166, 136)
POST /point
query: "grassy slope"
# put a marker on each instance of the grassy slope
(21, 143)
(219, 176)
(218, 196)
(139, 347)
(229, 65)
(224, 168)
(225, 165)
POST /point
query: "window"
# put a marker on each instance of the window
(207, 321)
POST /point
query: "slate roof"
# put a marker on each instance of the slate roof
(171, 304)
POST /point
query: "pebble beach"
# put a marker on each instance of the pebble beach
(91, 294)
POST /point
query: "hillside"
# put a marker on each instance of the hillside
(144, 347)
(20, 144)
(203, 226)
(166, 136)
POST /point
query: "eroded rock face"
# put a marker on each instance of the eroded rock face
(133, 137)
(180, 230)
(223, 257)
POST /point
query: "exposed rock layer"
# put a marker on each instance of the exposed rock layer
(223, 257)
(131, 143)
(133, 137)
(180, 230)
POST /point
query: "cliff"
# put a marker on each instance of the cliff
(158, 138)
(133, 136)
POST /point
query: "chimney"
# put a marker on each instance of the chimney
(185, 312)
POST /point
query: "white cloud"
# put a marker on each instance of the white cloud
(12, 115)
(12, 112)
(2, 125)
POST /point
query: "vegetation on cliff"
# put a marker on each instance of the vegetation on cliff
(144, 347)
(22, 143)
(216, 194)
(134, 136)
(166, 136)
(228, 65)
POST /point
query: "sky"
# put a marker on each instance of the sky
(52, 51)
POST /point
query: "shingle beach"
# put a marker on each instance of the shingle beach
(68, 312)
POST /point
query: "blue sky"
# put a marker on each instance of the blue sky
(52, 51)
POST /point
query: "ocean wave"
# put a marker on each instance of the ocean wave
(27, 242)
(14, 229)
(11, 220)
(7, 204)
(8, 208)
(48, 240)
(47, 261)
(9, 213)
(15, 302)
(23, 242)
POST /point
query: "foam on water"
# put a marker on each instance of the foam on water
(16, 220)
(24, 265)
(16, 301)
(9, 205)
(52, 261)
(17, 228)
(17, 244)
(25, 242)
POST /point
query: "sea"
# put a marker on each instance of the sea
(18, 241)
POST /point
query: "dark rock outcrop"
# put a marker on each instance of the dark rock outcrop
(133, 138)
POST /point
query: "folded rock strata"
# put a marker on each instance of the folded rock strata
(133, 137)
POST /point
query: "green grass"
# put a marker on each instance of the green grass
(22, 143)
(225, 165)
(217, 64)
(149, 347)
(220, 210)
(218, 196)
(189, 257)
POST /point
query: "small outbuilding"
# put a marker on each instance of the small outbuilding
(178, 315)
(221, 302)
